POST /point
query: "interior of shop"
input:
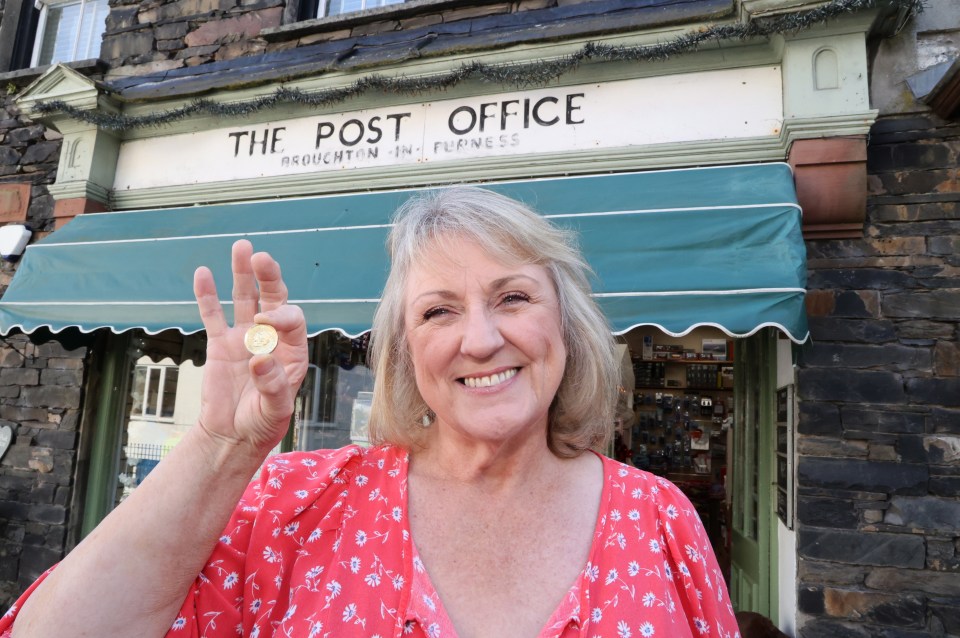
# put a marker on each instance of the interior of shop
(676, 415)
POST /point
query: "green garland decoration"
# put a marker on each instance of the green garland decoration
(523, 75)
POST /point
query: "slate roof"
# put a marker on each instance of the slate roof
(370, 51)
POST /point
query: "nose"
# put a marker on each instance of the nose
(481, 335)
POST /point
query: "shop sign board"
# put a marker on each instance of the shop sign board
(701, 106)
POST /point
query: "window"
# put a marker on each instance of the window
(68, 31)
(338, 7)
(154, 391)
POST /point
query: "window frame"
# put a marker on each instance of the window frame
(43, 6)
(160, 393)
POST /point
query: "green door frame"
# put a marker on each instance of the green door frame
(754, 566)
(110, 396)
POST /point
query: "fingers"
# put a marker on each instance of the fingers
(245, 295)
(288, 320)
(211, 312)
(270, 379)
(273, 291)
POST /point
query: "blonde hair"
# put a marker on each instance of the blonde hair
(582, 413)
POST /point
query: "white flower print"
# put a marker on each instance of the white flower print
(231, 580)
(596, 615)
(623, 630)
(291, 528)
(361, 538)
(649, 599)
(397, 514)
(398, 582)
(374, 494)
(654, 546)
(701, 625)
(334, 588)
(593, 572)
(633, 515)
(361, 480)
(637, 493)
(349, 612)
(615, 515)
(428, 601)
(672, 511)
(666, 570)
(633, 568)
(355, 564)
(315, 629)
(179, 623)
(611, 577)
(314, 535)
(372, 579)
(255, 605)
(275, 482)
(290, 613)
(308, 462)
(683, 568)
(301, 494)
(269, 555)
(646, 630)
(226, 540)
(692, 553)
(313, 572)
(623, 472)
(621, 541)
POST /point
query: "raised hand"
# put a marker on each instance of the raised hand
(247, 400)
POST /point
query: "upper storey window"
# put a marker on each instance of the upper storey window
(69, 30)
(339, 7)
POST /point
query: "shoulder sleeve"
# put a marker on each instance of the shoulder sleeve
(246, 571)
(700, 585)
(256, 544)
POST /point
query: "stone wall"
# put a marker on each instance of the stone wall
(879, 433)
(154, 36)
(40, 389)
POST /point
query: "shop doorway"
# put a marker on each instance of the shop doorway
(703, 416)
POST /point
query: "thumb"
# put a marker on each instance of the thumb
(276, 402)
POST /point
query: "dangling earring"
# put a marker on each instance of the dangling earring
(427, 419)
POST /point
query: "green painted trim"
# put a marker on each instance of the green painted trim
(104, 452)
(81, 188)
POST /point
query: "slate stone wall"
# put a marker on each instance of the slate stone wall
(40, 389)
(879, 431)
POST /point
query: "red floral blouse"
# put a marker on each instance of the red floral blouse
(320, 546)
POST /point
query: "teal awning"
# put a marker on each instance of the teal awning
(675, 249)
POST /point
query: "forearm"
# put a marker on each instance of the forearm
(129, 577)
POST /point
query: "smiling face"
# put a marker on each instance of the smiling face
(486, 342)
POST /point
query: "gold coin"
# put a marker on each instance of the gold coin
(261, 338)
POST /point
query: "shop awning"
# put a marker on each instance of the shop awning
(675, 249)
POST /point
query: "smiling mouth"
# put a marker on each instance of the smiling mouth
(491, 380)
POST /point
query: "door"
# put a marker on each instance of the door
(753, 577)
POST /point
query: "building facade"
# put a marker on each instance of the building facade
(840, 461)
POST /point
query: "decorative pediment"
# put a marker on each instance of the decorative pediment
(61, 86)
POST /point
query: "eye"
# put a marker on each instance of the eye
(515, 297)
(436, 311)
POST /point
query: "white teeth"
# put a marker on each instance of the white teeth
(493, 379)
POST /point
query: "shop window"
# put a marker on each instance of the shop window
(68, 31)
(333, 404)
(163, 404)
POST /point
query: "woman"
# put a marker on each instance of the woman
(483, 512)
